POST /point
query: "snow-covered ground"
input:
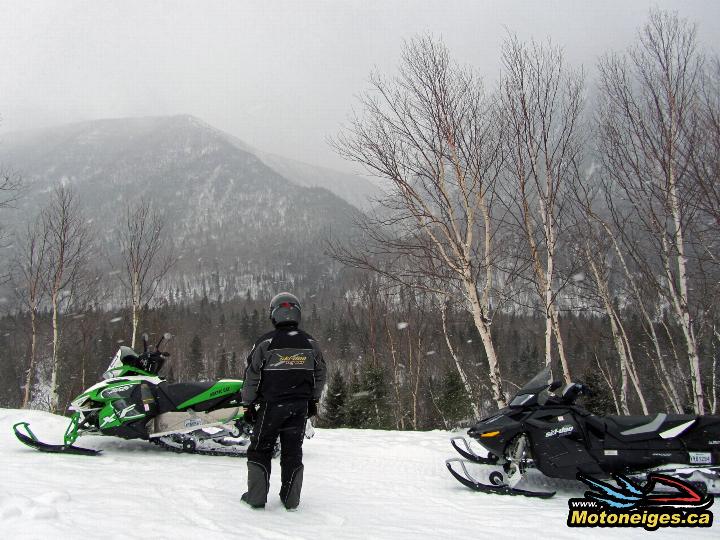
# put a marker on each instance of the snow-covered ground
(358, 484)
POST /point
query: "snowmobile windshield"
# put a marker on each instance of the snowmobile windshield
(121, 357)
(534, 386)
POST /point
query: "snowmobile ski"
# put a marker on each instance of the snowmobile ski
(469, 454)
(28, 438)
(502, 489)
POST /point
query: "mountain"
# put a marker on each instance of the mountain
(231, 216)
(354, 189)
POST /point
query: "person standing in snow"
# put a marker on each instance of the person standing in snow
(284, 380)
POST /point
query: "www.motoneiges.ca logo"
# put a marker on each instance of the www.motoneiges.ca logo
(660, 501)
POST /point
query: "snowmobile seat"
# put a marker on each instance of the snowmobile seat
(171, 396)
(625, 423)
(645, 426)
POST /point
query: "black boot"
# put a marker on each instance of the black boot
(291, 487)
(258, 486)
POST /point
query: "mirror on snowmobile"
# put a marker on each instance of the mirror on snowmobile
(145, 342)
(165, 336)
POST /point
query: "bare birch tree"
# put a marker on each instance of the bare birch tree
(648, 103)
(604, 256)
(706, 230)
(28, 268)
(706, 161)
(10, 184)
(431, 134)
(542, 101)
(146, 258)
(67, 252)
(594, 249)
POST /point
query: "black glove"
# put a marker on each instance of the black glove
(312, 408)
(250, 414)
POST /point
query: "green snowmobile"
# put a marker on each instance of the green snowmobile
(133, 402)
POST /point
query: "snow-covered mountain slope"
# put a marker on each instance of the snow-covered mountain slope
(358, 484)
(227, 211)
(354, 189)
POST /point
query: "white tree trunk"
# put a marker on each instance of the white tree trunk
(666, 381)
(632, 371)
(680, 302)
(608, 381)
(54, 391)
(458, 366)
(620, 339)
(483, 328)
(399, 416)
(136, 292)
(31, 367)
(560, 344)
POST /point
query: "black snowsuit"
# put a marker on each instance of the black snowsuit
(285, 372)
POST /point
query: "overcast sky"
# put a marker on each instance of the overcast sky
(282, 76)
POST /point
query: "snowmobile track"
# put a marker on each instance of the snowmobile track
(170, 448)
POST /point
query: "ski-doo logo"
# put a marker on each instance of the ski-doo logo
(295, 359)
(560, 432)
(630, 504)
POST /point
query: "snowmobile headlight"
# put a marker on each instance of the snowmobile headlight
(490, 434)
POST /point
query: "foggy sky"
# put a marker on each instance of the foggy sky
(282, 76)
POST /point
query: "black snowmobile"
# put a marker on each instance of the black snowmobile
(548, 432)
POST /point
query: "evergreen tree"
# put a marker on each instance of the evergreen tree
(221, 371)
(235, 370)
(527, 364)
(344, 345)
(314, 317)
(245, 327)
(334, 407)
(454, 403)
(599, 399)
(368, 405)
(195, 358)
(254, 326)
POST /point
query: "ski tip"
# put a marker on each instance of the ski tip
(29, 439)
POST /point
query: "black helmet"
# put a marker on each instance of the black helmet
(285, 310)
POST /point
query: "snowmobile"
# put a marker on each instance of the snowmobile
(133, 402)
(547, 431)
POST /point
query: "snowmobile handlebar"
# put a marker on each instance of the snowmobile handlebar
(571, 392)
(153, 361)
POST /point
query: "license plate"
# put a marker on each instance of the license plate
(697, 458)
